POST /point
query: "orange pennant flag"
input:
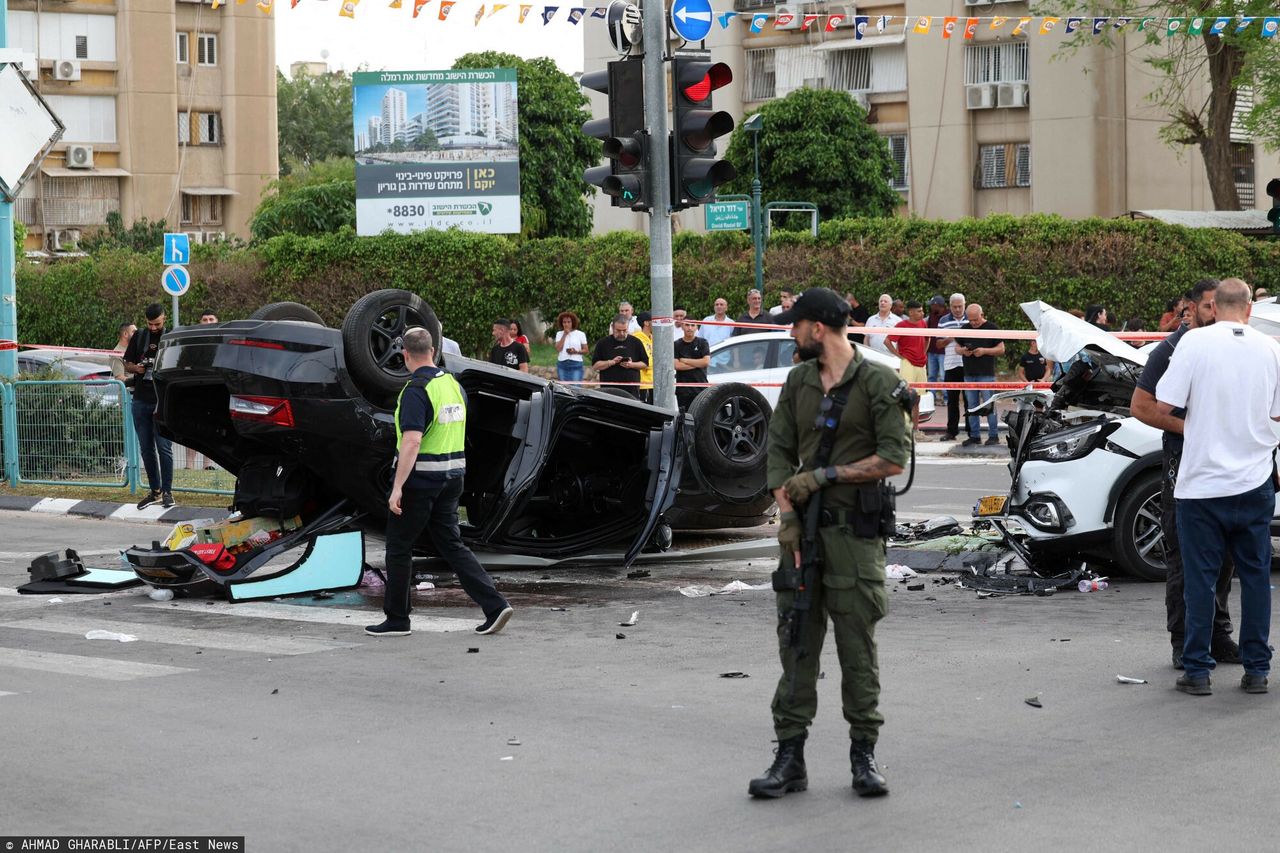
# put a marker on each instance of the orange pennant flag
(417, 6)
(949, 25)
(997, 22)
(922, 24)
(524, 12)
(1022, 26)
(348, 9)
(479, 14)
(970, 28)
(445, 6)
(1047, 24)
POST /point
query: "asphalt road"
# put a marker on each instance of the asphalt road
(283, 722)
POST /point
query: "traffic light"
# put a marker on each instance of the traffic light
(695, 171)
(626, 144)
(1273, 190)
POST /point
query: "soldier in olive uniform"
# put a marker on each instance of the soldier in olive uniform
(871, 444)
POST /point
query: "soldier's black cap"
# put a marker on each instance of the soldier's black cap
(820, 304)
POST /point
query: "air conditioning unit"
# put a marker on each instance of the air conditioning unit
(66, 69)
(787, 18)
(978, 2)
(80, 156)
(1012, 95)
(980, 96)
(195, 236)
(62, 240)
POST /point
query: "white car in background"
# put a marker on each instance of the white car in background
(762, 359)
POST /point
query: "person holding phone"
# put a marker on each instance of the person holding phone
(618, 358)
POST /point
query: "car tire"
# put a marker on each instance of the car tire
(1139, 539)
(730, 428)
(287, 311)
(371, 340)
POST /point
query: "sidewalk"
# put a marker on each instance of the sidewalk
(934, 447)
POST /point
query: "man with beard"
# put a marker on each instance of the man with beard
(1143, 407)
(838, 430)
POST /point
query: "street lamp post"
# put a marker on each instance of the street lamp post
(754, 125)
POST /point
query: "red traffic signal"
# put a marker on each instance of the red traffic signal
(695, 81)
(695, 171)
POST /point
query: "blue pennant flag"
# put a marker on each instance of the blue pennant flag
(549, 12)
(1073, 24)
(859, 26)
(1219, 26)
(1099, 24)
(599, 12)
(758, 22)
(1244, 24)
(1269, 27)
(576, 14)
(1121, 23)
(725, 18)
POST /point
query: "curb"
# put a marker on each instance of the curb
(112, 511)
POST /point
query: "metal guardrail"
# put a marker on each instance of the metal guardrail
(80, 433)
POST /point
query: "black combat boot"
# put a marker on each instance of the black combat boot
(867, 781)
(787, 773)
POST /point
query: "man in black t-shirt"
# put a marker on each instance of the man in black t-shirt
(1033, 366)
(507, 351)
(693, 354)
(858, 315)
(618, 358)
(979, 356)
(1143, 407)
(157, 452)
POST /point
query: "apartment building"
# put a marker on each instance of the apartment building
(993, 124)
(170, 113)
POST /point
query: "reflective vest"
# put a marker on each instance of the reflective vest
(442, 454)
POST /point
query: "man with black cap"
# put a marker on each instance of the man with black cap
(850, 406)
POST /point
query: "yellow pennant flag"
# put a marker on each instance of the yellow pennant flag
(348, 9)
(395, 4)
(217, 3)
(922, 24)
(1046, 26)
(997, 22)
(524, 12)
(497, 7)
(264, 6)
(479, 14)
(1022, 26)
(239, 2)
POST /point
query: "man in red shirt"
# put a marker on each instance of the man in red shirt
(911, 349)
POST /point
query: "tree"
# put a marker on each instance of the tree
(311, 199)
(1198, 76)
(142, 236)
(553, 150)
(816, 146)
(314, 118)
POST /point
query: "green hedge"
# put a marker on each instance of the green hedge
(1131, 267)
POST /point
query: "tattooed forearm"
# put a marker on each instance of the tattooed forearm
(867, 470)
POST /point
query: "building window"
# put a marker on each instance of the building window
(184, 48)
(1243, 172)
(1004, 165)
(207, 49)
(88, 118)
(184, 128)
(82, 47)
(210, 125)
(868, 69)
(900, 178)
(995, 63)
(762, 80)
(201, 209)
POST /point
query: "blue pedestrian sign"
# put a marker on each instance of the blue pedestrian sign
(177, 249)
(176, 280)
(691, 19)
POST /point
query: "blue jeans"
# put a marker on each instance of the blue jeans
(935, 370)
(973, 399)
(150, 445)
(1207, 528)
(569, 371)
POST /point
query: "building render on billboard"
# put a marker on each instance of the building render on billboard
(395, 120)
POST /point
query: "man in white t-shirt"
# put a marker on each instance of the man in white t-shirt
(885, 319)
(1227, 377)
(952, 361)
(715, 334)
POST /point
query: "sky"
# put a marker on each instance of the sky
(390, 39)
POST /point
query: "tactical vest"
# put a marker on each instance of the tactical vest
(442, 453)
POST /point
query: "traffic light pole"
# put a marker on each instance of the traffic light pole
(8, 310)
(660, 276)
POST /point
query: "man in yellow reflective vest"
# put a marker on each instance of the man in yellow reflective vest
(431, 429)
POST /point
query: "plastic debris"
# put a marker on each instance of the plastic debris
(473, 650)
(1017, 805)
(507, 758)
(324, 593)
(731, 587)
(110, 635)
(560, 609)
(897, 572)
(54, 601)
(425, 585)
(160, 595)
(915, 587)
(637, 574)
(1124, 679)
(619, 636)
(512, 741)
(1092, 584)
(635, 617)
(274, 692)
(1033, 701)
(734, 674)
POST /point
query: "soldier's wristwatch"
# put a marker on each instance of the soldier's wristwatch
(830, 473)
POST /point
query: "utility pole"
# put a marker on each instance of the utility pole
(8, 265)
(660, 273)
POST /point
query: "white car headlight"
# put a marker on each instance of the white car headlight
(1070, 444)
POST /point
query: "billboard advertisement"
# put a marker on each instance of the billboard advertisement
(436, 149)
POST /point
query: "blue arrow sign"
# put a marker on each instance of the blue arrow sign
(691, 19)
(175, 280)
(177, 249)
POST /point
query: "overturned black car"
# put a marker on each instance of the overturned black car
(552, 470)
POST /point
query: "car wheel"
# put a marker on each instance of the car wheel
(731, 428)
(371, 340)
(287, 311)
(1139, 537)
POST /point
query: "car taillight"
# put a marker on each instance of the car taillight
(250, 342)
(270, 410)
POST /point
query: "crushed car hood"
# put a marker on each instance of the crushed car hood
(1106, 369)
(1063, 335)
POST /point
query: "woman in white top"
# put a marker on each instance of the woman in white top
(571, 345)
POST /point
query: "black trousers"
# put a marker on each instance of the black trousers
(1174, 604)
(437, 514)
(955, 374)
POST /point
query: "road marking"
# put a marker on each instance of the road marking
(8, 590)
(1004, 463)
(7, 693)
(54, 506)
(106, 669)
(203, 638)
(132, 513)
(322, 615)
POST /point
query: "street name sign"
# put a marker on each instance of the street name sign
(727, 216)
